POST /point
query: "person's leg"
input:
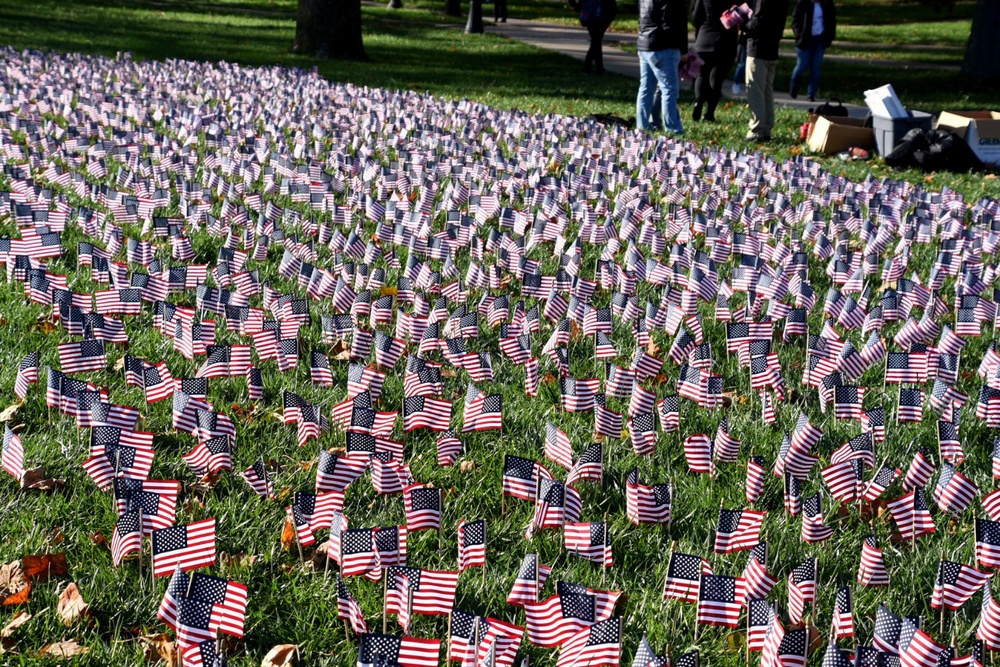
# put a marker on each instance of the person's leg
(701, 84)
(802, 62)
(723, 64)
(599, 52)
(595, 41)
(644, 99)
(815, 65)
(665, 65)
(740, 77)
(772, 69)
(755, 95)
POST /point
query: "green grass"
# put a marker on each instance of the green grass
(291, 604)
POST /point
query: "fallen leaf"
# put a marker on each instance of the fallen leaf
(119, 364)
(307, 465)
(98, 539)
(63, 649)
(57, 536)
(35, 479)
(192, 505)
(236, 560)
(735, 641)
(341, 351)
(287, 534)
(653, 349)
(38, 568)
(9, 412)
(467, 466)
(20, 597)
(280, 656)
(19, 619)
(45, 326)
(159, 648)
(11, 577)
(71, 606)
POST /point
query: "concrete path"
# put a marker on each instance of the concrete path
(573, 41)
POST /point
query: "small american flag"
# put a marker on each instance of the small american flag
(590, 541)
(600, 644)
(383, 650)
(683, 576)
(801, 589)
(127, 536)
(738, 530)
(348, 608)
(843, 613)
(529, 581)
(259, 479)
(471, 544)
(988, 543)
(191, 546)
(13, 453)
(955, 584)
(718, 603)
(424, 507)
(872, 571)
(82, 357)
(27, 374)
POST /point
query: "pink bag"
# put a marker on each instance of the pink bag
(735, 17)
(691, 68)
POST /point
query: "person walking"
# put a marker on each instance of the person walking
(814, 23)
(764, 31)
(716, 45)
(596, 16)
(499, 11)
(661, 41)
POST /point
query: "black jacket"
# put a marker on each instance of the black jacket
(765, 29)
(802, 20)
(663, 25)
(709, 34)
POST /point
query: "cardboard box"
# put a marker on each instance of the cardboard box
(835, 134)
(979, 129)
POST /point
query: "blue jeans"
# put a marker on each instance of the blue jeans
(740, 77)
(810, 59)
(659, 69)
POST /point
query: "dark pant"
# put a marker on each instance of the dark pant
(708, 85)
(500, 10)
(809, 59)
(595, 54)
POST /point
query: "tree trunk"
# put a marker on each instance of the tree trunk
(982, 55)
(453, 7)
(329, 29)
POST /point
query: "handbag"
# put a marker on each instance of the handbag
(828, 108)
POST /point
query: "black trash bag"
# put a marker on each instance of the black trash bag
(936, 150)
(612, 119)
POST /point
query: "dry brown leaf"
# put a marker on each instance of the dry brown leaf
(35, 479)
(653, 349)
(236, 560)
(206, 483)
(448, 372)
(57, 536)
(71, 606)
(45, 326)
(63, 649)
(20, 597)
(40, 567)
(119, 364)
(6, 645)
(159, 648)
(281, 655)
(11, 578)
(19, 619)
(98, 539)
(192, 505)
(9, 412)
(307, 465)
(467, 466)
(340, 351)
(287, 534)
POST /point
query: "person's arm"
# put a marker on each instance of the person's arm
(799, 18)
(753, 25)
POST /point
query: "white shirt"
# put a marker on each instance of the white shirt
(817, 27)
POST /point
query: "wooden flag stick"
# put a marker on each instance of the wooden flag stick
(385, 594)
(941, 628)
(140, 546)
(696, 607)
(448, 653)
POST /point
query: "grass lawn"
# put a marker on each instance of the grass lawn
(292, 604)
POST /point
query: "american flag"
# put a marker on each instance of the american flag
(203, 654)
(590, 541)
(471, 544)
(793, 650)
(813, 528)
(802, 585)
(335, 473)
(433, 591)
(683, 578)
(556, 504)
(988, 543)
(157, 499)
(191, 546)
(919, 473)
(955, 584)
(448, 448)
(600, 644)
(760, 613)
(127, 536)
(916, 648)
(558, 447)
(358, 552)
(989, 619)
(859, 447)
(485, 412)
(883, 477)
(905, 368)
(843, 479)
(757, 580)
(834, 657)
(647, 504)
(520, 477)
(194, 621)
(424, 507)
(348, 608)
(13, 453)
(737, 530)
(27, 374)
(699, 450)
(82, 357)
(911, 515)
(590, 465)
(954, 491)
(646, 657)
(872, 571)
(259, 479)
(843, 613)
(379, 650)
(553, 621)
(115, 451)
(668, 409)
(718, 600)
(529, 581)
(211, 456)
(991, 503)
(756, 473)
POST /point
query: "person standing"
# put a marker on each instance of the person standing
(716, 45)
(662, 39)
(764, 31)
(814, 23)
(596, 16)
(499, 11)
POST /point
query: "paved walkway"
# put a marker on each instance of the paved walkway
(573, 41)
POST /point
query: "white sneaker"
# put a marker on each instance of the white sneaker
(737, 89)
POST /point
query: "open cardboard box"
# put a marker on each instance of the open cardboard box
(979, 129)
(835, 134)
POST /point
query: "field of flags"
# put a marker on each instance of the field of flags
(303, 372)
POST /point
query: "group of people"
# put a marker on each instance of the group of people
(663, 44)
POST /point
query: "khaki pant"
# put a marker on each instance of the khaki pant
(760, 96)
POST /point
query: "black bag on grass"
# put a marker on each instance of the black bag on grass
(937, 150)
(828, 108)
